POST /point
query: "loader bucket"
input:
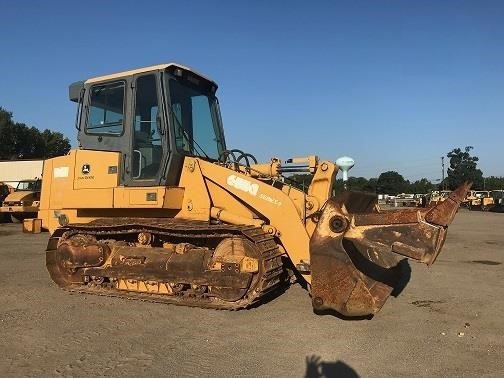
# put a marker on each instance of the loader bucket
(356, 249)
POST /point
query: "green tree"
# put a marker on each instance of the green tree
(18, 141)
(55, 144)
(5, 117)
(391, 182)
(371, 185)
(463, 167)
(357, 183)
(339, 186)
(28, 142)
(7, 148)
(493, 183)
(421, 186)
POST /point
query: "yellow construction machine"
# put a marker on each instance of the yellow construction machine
(23, 201)
(479, 200)
(153, 205)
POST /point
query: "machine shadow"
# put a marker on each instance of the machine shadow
(316, 368)
(404, 270)
(269, 297)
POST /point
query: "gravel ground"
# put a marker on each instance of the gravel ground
(446, 322)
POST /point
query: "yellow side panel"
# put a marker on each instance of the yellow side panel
(89, 199)
(57, 181)
(45, 194)
(196, 202)
(96, 169)
(49, 220)
(174, 197)
(93, 176)
(148, 197)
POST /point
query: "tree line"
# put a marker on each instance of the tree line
(463, 167)
(19, 141)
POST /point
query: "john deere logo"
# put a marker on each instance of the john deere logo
(86, 168)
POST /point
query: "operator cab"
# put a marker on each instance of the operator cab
(154, 117)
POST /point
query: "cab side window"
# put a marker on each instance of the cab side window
(106, 110)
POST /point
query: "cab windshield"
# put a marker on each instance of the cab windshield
(194, 114)
(23, 186)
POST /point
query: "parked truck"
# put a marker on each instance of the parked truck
(23, 202)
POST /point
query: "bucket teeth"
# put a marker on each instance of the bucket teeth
(356, 250)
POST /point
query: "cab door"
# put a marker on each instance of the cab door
(148, 149)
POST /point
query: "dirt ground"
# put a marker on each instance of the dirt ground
(448, 321)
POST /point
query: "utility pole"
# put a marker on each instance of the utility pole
(442, 173)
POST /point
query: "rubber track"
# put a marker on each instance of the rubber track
(273, 277)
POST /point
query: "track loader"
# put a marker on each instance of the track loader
(152, 205)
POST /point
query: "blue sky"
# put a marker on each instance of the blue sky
(393, 84)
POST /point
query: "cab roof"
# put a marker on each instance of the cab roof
(75, 89)
(158, 67)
